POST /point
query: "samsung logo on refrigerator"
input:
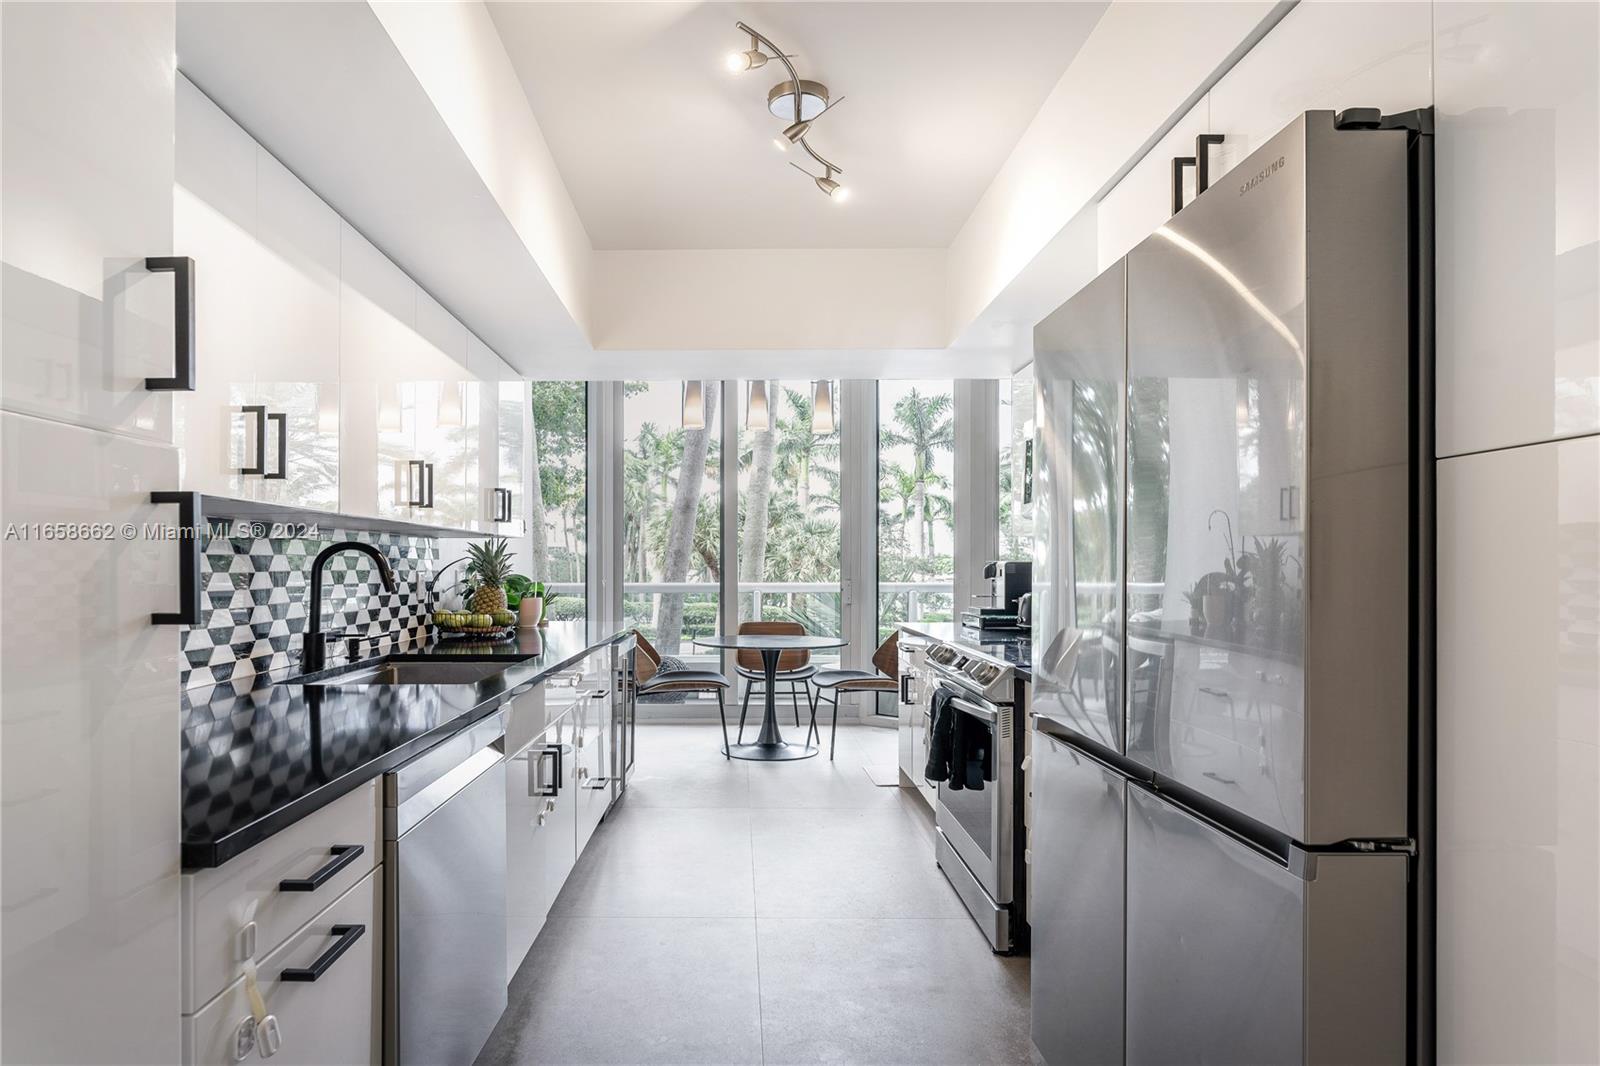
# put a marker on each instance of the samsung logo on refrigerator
(1262, 175)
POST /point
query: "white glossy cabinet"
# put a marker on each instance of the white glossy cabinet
(87, 180)
(263, 421)
(243, 909)
(541, 833)
(327, 378)
(1321, 56)
(1518, 245)
(503, 439)
(89, 759)
(331, 1021)
(1519, 754)
(594, 742)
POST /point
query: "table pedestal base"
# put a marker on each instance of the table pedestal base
(781, 751)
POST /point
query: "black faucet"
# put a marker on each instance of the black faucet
(314, 655)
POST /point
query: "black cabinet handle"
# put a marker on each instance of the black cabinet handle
(428, 467)
(188, 612)
(260, 413)
(343, 855)
(1202, 157)
(502, 505)
(1179, 163)
(418, 498)
(181, 267)
(347, 934)
(905, 688)
(538, 783)
(282, 421)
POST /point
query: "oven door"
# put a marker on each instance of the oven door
(978, 822)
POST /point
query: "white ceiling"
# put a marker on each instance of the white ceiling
(661, 148)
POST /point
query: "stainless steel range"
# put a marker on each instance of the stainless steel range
(979, 830)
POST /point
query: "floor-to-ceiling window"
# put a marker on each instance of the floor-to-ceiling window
(789, 505)
(672, 514)
(559, 489)
(916, 508)
(1016, 465)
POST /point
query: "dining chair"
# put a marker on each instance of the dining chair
(794, 668)
(886, 678)
(650, 679)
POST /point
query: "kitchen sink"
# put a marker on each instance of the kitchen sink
(416, 673)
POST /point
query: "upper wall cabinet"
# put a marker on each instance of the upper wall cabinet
(1518, 92)
(502, 443)
(263, 422)
(87, 185)
(1322, 57)
(329, 379)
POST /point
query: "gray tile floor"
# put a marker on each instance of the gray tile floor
(734, 912)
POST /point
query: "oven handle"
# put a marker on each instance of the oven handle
(976, 711)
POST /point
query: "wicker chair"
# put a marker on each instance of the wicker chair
(885, 679)
(650, 679)
(794, 668)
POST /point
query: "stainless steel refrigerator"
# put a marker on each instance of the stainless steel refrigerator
(1228, 595)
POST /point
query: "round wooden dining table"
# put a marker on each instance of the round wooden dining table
(769, 745)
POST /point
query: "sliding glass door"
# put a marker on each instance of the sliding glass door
(789, 507)
(916, 505)
(559, 489)
(672, 517)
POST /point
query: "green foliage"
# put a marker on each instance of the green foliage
(802, 517)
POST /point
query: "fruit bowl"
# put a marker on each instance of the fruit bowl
(478, 633)
(457, 625)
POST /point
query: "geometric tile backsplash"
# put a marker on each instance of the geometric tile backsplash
(257, 590)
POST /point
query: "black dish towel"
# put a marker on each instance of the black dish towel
(960, 748)
(941, 737)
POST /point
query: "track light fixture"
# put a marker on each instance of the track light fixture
(799, 100)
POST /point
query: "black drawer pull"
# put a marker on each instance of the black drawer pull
(181, 267)
(347, 934)
(282, 419)
(189, 536)
(343, 855)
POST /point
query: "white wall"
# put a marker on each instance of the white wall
(1518, 182)
(779, 299)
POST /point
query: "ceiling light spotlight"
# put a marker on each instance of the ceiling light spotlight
(750, 59)
(835, 191)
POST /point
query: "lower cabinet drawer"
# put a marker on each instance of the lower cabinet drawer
(332, 1019)
(278, 885)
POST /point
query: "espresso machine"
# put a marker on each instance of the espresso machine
(1008, 581)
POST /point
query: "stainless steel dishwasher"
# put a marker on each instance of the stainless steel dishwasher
(444, 824)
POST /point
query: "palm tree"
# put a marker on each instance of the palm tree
(926, 425)
(760, 458)
(684, 516)
(800, 445)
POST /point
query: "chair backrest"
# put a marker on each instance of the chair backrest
(647, 662)
(789, 660)
(887, 657)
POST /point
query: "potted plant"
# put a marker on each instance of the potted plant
(526, 596)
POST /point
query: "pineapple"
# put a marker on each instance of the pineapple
(489, 564)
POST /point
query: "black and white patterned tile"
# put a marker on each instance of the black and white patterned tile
(257, 590)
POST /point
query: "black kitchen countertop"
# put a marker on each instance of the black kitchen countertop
(1013, 646)
(259, 755)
